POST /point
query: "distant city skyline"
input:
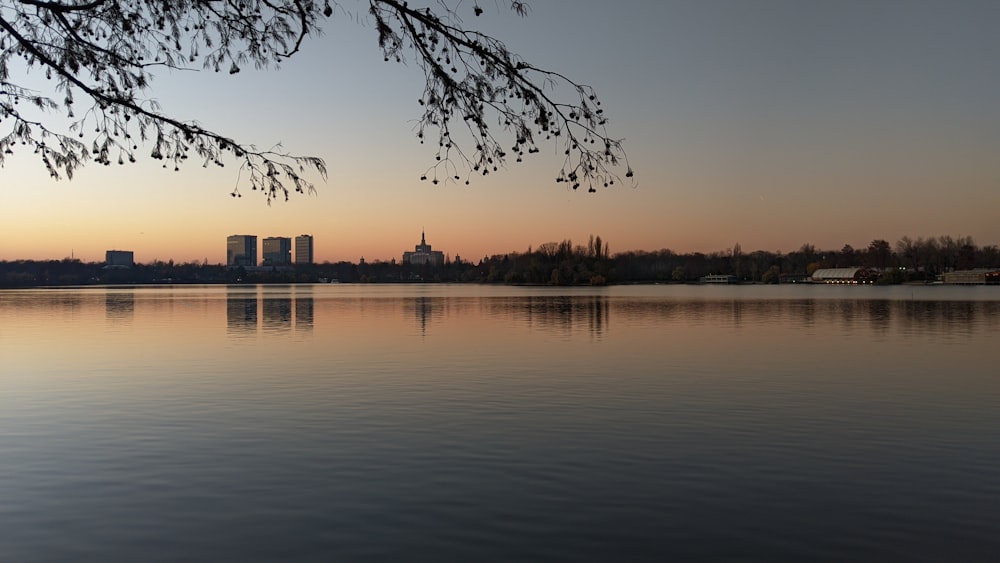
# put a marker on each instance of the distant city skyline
(241, 250)
(423, 252)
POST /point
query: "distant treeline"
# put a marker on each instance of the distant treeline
(552, 263)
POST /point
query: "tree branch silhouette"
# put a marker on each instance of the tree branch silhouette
(107, 50)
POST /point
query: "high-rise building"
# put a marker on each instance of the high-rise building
(241, 250)
(119, 258)
(422, 254)
(277, 251)
(304, 249)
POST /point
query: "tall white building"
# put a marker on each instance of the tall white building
(241, 250)
(304, 249)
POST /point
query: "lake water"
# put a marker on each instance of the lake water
(478, 423)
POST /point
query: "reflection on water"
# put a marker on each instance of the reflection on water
(423, 310)
(277, 313)
(466, 423)
(304, 308)
(249, 309)
(880, 315)
(564, 314)
(119, 306)
(278, 309)
(241, 310)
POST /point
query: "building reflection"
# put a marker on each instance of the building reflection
(736, 307)
(564, 316)
(241, 310)
(304, 309)
(277, 313)
(424, 310)
(119, 306)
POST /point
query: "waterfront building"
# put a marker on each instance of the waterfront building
(277, 251)
(304, 249)
(844, 275)
(719, 278)
(119, 258)
(241, 250)
(979, 276)
(423, 254)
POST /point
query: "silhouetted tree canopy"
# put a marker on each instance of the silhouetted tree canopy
(481, 103)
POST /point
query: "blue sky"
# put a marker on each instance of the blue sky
(769, 123)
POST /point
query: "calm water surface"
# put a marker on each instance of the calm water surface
(469, 423)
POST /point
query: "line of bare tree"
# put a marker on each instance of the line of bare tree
(908, 260)
(553, 263)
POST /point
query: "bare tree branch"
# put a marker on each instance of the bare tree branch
(105, 51)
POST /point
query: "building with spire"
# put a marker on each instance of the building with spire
(423, 254)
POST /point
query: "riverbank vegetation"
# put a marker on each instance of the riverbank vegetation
(551, 263)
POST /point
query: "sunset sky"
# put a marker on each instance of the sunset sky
(767, 123)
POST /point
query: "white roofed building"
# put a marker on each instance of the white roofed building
(844, 275)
